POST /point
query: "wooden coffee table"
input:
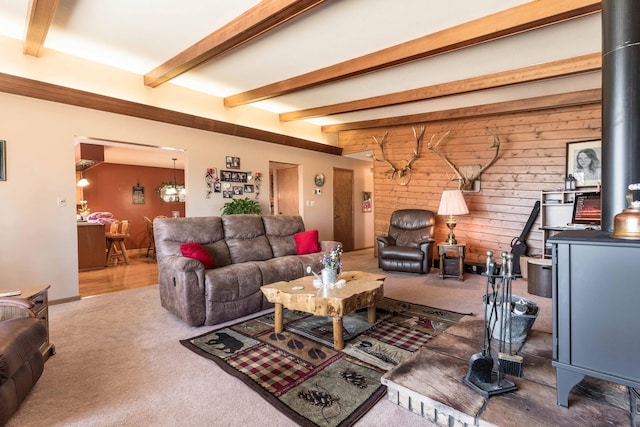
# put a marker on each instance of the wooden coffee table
(362, 290)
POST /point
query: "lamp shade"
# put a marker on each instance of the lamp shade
(452, 203)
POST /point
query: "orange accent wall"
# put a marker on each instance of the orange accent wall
(110, 189)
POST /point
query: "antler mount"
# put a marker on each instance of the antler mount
(401, 171)
(466, 175)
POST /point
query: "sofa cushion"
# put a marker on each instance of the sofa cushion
(170, 233)
(232, 291)
(246, 239)
(307, 242)
(405, 253)
(281, 269)
(280, 230)
(232, 282)
(197, 251)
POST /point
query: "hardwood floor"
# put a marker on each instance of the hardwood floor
(142, 271)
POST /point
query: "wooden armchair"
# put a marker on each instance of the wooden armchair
(409, 244)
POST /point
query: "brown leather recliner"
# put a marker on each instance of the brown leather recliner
(409, 245)
(21, 362)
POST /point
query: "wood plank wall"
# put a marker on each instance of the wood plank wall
(531, 160)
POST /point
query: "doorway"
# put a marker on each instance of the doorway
(343, 207)
(284, 189)
(124, 183)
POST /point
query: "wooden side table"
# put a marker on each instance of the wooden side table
(39, 295)
(451, 260)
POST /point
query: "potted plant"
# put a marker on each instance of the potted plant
(241, 206)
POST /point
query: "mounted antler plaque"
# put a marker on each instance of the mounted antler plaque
(468, 176)
(401, 171)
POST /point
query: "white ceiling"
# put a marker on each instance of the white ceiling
(140, 35)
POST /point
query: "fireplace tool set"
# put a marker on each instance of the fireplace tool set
(482, 377)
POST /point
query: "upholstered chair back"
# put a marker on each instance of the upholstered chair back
(409, 227)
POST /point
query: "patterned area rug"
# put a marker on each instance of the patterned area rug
(300, 373)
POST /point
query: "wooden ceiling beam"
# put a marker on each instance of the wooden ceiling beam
(55, 93)
(39, 20)
(512, 21)
(265, 16)
(583, 97)
(561, 68)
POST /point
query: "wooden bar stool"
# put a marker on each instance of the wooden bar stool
(151, 245)
(116, 250)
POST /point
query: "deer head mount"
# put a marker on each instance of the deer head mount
(402, 170)
(468, 176)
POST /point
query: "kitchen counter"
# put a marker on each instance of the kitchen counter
(92, 246)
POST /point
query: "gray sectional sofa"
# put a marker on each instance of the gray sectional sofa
(248, 251)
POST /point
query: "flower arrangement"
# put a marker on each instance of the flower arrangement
(332, 261)
(84, 209)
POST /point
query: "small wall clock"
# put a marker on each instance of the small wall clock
(319, 179)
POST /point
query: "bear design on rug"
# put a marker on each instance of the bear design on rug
(229, 343)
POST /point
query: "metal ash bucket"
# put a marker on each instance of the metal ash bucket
(523, 315)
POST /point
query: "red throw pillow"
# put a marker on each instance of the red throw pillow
(197, 251)
(307, 242)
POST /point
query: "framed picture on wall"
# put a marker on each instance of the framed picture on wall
(3, 160)
(232, 162)
(584, 162)
(366, 201)
(137, 194)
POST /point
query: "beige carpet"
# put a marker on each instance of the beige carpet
(119, 361)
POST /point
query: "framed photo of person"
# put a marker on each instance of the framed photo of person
(584, 162)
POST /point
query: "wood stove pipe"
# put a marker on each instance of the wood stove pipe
(620, 104)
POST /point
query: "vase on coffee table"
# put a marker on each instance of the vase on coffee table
(329, 276)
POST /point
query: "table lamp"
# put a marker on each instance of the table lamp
(452, 203)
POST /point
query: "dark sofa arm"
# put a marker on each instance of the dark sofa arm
(424, 243)
(20, 338)
(385, 241)
(427, 248)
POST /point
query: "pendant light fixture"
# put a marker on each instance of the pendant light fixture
(82, 182)
(172, 191)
